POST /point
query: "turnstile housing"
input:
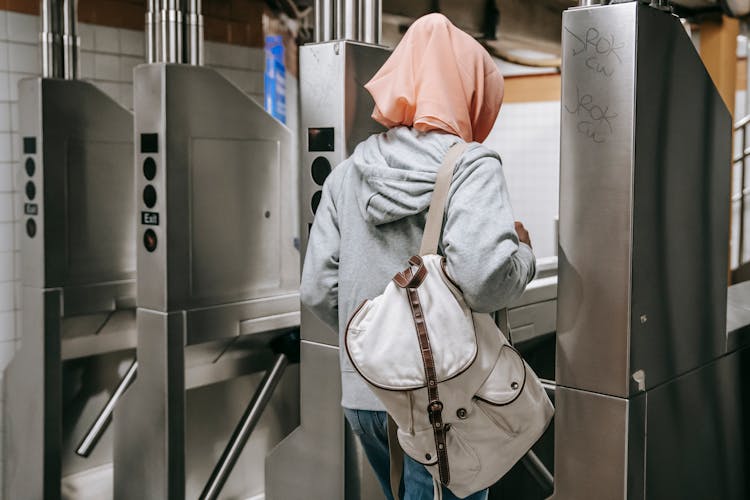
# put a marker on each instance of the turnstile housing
(335, 116)
(78, 270)
(218, 278)
(649, 397)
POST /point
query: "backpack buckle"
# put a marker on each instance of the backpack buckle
(434, 410)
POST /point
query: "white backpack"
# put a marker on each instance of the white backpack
(465, 403)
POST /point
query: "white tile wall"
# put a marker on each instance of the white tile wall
(527, 136)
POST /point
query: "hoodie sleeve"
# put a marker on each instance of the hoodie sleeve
(320, 273)
(480, 244)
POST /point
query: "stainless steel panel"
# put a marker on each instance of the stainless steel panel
(643, 208)
(33, 467)
(168, 438)
(225, 192)
(220, 266)
(309, 463)
(332, 94)
(681, 189)
(98, 334)
(50, 400)
(78, 275)
(149, 423)
(84, 184)
(596, 161)
(592, 440)
(698, 440)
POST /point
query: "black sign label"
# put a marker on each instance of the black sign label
(31, 209)
(29, 145)
(320, 139)
(150, 218)
(149, 143)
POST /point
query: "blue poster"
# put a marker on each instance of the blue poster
(275, 78)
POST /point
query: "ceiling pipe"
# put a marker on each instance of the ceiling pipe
(51, 40)
(372, 14)
(152, 31)
(70, 39)
(170, 31)
(194, 33)
(356, 20)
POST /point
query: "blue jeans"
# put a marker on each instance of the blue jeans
(371, 427)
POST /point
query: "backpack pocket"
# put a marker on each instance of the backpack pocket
(462, 458)
(503, 387)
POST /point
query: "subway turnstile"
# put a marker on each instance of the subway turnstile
(652, 394)
(321, 458)
(218, 278)
(78, 281)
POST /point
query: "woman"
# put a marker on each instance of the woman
(439, 87)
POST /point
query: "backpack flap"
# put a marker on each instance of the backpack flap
(381, 338)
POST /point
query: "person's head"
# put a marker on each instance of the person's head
(438, 78)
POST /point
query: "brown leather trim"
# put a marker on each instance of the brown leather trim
(435, 406)
(409, 278)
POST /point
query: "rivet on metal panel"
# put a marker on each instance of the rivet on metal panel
(336, 48)
(640, 378)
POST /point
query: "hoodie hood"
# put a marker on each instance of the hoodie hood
(397, 171)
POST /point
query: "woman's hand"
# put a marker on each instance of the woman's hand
(523, 234)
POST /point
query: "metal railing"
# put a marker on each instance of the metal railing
(741, 271)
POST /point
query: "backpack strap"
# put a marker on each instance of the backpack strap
(434, 225)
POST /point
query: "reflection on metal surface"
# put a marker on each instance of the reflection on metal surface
(78, 269)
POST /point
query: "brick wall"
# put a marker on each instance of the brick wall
(237, 22)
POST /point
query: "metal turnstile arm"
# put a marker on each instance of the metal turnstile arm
(244, 428)
(95, 432)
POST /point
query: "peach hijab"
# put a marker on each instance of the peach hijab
(438, 78)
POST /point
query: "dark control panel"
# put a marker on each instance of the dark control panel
(149, 146)
(321, 140)
(30, 209)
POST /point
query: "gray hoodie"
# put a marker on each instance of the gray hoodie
(370, 220)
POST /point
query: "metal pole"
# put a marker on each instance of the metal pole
(338, 16)
(243, 430)
(194, 30)
(70, 39)
(351, 18)
(152, 32)
(539, 472)
(741, 221)
(170, 23)
(371, 21)
(325, 17)
(51, 40)
(95, 432)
